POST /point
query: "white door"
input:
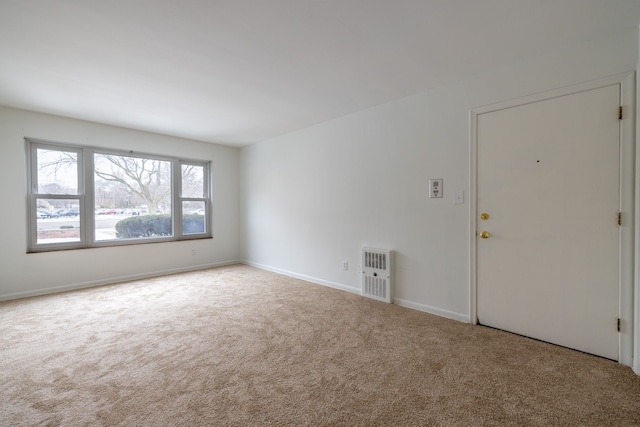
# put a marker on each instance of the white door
(549, 184)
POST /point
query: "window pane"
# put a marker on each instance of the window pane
(58, 220)
(193, 181)
(57, 171)
(193, 217)
(132, 197)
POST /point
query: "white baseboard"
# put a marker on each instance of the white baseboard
(403, 303)
(113, 280)
(315, 280)
(432, 310)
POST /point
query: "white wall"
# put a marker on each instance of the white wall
(313, 198)
(23, 274)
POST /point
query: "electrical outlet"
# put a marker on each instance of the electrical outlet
(435, 188)
(345, 265)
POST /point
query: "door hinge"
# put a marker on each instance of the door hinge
(619, 218)
(620, 112)
(618, 325)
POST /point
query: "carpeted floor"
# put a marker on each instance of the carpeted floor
(237, 346)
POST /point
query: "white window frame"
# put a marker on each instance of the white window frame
(86, 197)
(206, 196)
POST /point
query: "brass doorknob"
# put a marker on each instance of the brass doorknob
(484, 234)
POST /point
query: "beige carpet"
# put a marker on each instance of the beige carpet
(237, 346)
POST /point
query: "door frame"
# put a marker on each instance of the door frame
(627, 198)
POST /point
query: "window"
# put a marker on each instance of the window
(193, 197)
(89, 197)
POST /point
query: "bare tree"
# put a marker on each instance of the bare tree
(57, 172)
(150, 179)
(192, 180)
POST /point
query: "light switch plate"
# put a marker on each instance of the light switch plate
(458, 197)
(435, 188)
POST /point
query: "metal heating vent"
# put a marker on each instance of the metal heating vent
(376, 274)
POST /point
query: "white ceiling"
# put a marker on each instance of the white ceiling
(241, 71)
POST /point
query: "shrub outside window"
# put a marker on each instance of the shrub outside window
(90, 197)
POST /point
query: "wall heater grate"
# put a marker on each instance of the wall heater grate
(376, 274)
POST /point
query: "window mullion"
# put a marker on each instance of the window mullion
(88, 188)
(176, 197)
(33, 182)
(33, 223)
